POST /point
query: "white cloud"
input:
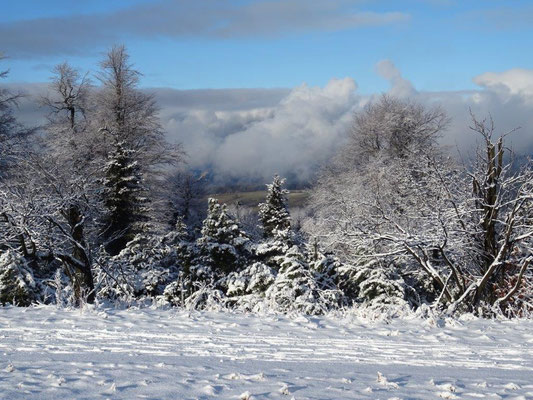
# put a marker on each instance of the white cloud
(250, 134)
(301, 133)
(400, 87)
(515, 81)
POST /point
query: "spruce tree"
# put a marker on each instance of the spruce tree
(124, 199)
(274, 213)
(222, 242)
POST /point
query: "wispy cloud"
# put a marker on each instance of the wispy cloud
(400, 87)
(506, 16)
(75, 34)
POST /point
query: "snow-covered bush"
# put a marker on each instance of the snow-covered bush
(253, 279)
(144, 267)
(17, 283)
(245, 290)
(371, 283)
(296, 287)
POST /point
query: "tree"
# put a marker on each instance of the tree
(462, 238)
(70, 98)
(68, 134)
(391, 128)
(124, 198)
(128, 115)
(68, 167)
(48, 219)
(222, 244)
(186, 198)
(500, 214)
(132, 137)
(17, 283)
(385, 169)
(273, 213)
(13, 136)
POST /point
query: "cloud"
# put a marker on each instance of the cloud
(503, 18)
(515, 81)
(295, 138)
(400, 87)
(75, 34)
(247, 135)
(294, 132)
(265, 131)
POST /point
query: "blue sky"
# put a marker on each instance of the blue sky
(437, 44)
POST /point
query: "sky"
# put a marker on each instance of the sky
(190, 44)
(254, 87)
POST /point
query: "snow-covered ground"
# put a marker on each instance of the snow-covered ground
(47, 353)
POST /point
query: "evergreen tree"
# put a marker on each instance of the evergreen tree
(298, 287)
(222, 244)
(17, 283)
(124, 198)
(128, 115)
(274, 213)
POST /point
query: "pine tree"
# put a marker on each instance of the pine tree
(17, 283)
(298, 287)
(124, 199)
(222, 243)
(274, 213)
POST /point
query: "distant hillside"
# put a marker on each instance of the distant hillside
(297, 198)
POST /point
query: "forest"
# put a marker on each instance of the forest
(97, 206)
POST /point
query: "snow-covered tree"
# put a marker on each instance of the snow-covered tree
(223, 245)
(68, 101)
(273, 213)
(124, 197)
(144, 268)
(69, 137)
(299, 288)
(124, 114)
(70, 167)
(186, 197)
(17, 283)
(127, 114)
(393, 128)
(459, 238)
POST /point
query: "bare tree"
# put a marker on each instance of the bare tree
(68, 172)
(70, 96)
(383, 165)
(13, 136)
(185, 193)
(394, 128)
(126, 114)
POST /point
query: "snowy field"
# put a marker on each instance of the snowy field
(47, 353)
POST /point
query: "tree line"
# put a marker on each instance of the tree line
(96, 206)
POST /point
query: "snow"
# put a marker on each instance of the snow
(98, 353)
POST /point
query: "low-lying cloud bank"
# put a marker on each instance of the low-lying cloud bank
(247, 135)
